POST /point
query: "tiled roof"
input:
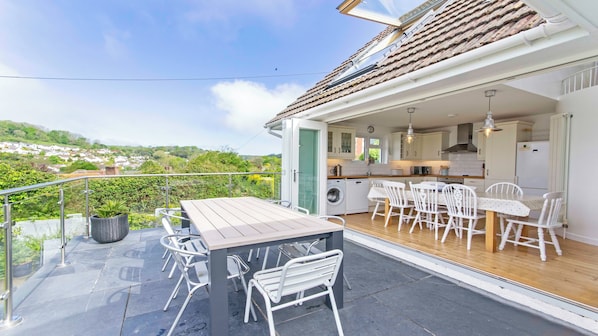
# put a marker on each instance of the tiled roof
(462, 26)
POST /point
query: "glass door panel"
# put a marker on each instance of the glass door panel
(304, 156)
(308, 170)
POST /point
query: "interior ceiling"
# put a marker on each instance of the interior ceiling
(471, 106)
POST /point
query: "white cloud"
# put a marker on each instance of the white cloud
(249, 105)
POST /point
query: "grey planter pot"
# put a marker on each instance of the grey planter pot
(108, 230)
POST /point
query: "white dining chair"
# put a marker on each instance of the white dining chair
(547, 222)
(462, 205)
(425, 199)
(504, 188)
(167, 218)
(379, 201)
(301, 249)
(398, 203)
(297, 277)
(193, 265)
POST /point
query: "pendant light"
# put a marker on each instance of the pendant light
(489, 126)
(410, 135)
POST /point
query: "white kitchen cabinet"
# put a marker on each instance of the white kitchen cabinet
(501, 151)
(341, 142)
(357, 195)
(478, 184)
(481, 155)
(396, 146)
(402, 150)
(433, 145)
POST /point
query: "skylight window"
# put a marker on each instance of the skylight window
(389, 12)
(413, 22)
(383, 11)
(367, 60)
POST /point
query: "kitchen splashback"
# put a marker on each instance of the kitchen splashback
(465, 164)
(459, 164)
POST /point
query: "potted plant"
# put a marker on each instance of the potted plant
(110, 223)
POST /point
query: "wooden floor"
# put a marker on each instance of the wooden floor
(572, 276)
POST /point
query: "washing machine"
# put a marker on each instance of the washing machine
(336, 194)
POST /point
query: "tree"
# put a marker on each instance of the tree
(80, 164)
(151, 167)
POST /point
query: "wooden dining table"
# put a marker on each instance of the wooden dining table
(492, 203)
(232, 225)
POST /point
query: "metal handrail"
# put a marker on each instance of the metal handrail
(9, 320)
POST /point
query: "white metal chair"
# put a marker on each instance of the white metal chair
(548, 220)
(193, 265)
(295, 278)
(167, 217)
(378, 201)
(301, 249)
(461, 204)
(398, 201)
(504, 188)
(425, 199)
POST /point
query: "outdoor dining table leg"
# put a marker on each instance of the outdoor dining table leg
(491, 230)
(335, 241)
(218, 293)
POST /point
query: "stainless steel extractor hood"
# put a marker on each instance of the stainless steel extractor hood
(464, 137)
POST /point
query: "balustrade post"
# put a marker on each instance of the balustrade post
(9, 320)
(230, 185)
(62, 228)
(167, 188)
(87, 223)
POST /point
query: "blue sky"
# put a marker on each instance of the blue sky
(257, 56)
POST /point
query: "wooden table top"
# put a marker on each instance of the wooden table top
(241, 221)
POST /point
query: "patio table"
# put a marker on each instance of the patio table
(231, 225)
(492, 203)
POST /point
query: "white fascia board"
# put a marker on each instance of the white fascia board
(507, 49)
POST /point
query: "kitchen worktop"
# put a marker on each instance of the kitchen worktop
(388, 176)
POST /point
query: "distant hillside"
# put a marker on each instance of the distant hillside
(27, 133)
(23, 132)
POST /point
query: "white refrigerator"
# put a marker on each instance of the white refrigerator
(532, 167)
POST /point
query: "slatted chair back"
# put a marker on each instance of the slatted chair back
(167, 226)
(299, 277)
(549, 216)
(425, 197)
(301, 274)
(396, 194)
(505, 188)
(461, 201)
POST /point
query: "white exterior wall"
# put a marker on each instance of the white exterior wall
(583, 184)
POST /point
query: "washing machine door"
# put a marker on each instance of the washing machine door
(334, 195)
